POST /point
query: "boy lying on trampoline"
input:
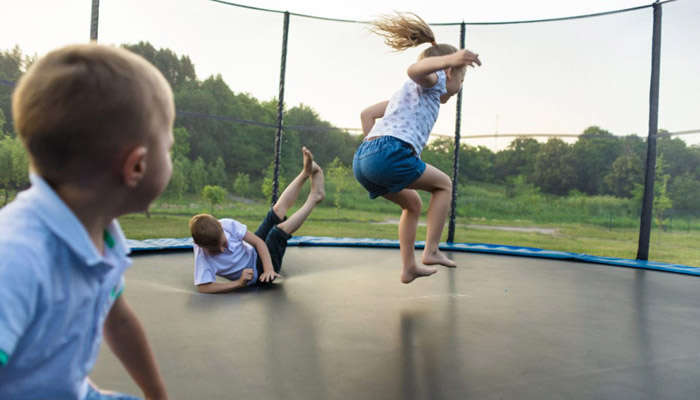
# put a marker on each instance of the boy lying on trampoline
(227, 248)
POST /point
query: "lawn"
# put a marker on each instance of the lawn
(171, 221)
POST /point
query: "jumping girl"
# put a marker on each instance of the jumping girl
(388, 162)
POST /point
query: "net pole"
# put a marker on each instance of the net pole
(650, 170)
(94, 20)
(280, 109)
(455, 158)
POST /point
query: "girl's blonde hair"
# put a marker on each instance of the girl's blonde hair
(403, 30)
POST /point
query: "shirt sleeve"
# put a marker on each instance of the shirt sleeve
(118, 290)
(234, 228)
(441, 86)
(19, 293)
(203, 271)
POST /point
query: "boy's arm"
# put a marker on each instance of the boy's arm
(269, 273)
(225, 287)
(127, 339)
(369, 115)
(423, 71)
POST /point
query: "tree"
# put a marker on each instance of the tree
(216, 172)
(338, 174)
(178, 180)
(268, 180)
(685, 192)
(215, 195)
(326, 144)
(198, 175)
(679, 158)
(177, 71)
(593, 156)
(475, 163)
(439, 154)
(661, 201)
(627, 172)
(553, 172)
(241, 186)
(14, 166)
(13, 63)
(517, 159)
(181, 149)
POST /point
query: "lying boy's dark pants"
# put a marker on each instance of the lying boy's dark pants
(275, 239)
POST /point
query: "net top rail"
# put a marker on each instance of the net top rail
(599, 14)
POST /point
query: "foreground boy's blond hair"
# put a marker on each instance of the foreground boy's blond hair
(80, 108)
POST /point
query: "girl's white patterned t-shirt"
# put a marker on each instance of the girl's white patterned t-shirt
(411, 113)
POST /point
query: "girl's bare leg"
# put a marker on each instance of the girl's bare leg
(411, 206)
(440, 186)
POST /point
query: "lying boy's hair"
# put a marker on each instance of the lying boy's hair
(81, 108)
(206, 230)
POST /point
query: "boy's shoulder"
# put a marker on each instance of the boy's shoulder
(24, 243)
(235, 229)
(20, 224)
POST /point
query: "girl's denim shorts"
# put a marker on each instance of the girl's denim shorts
(386, 165)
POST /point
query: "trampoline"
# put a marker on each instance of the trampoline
(340, 325)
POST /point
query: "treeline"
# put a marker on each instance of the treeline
(598, 163)
(211, 149)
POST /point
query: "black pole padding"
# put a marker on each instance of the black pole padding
(455, 157)
(650, 171)
(280, 109)
(94, 20)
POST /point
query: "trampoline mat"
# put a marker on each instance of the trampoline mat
(340, 325)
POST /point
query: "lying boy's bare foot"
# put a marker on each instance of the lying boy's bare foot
(318, 191)
(315, 168)
(437, 258)
(308, 161)
(410, 274)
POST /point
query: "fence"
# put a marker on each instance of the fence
(605, 69)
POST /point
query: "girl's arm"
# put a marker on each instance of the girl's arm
(370, 114)
(423, 71)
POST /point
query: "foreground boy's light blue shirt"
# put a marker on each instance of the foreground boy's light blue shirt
(55, 292)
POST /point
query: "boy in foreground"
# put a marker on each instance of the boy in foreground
(227, 248)
(96, 122)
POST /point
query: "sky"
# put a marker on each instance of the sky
(551, 78)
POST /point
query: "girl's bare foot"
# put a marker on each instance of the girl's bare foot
(308, 161)
(408, 275)
(437, 258)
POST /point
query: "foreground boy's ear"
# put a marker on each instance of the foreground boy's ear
(448, 72)
(134, 166)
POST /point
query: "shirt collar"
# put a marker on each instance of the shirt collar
(66, 226)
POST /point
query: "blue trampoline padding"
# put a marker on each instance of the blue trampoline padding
(186, 243)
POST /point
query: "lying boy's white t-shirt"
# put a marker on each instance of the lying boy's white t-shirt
(237, 256)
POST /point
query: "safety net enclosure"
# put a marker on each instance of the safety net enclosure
(576, 182)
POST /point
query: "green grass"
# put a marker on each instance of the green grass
(169, 220)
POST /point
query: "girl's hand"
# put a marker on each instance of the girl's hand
(464, 57)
